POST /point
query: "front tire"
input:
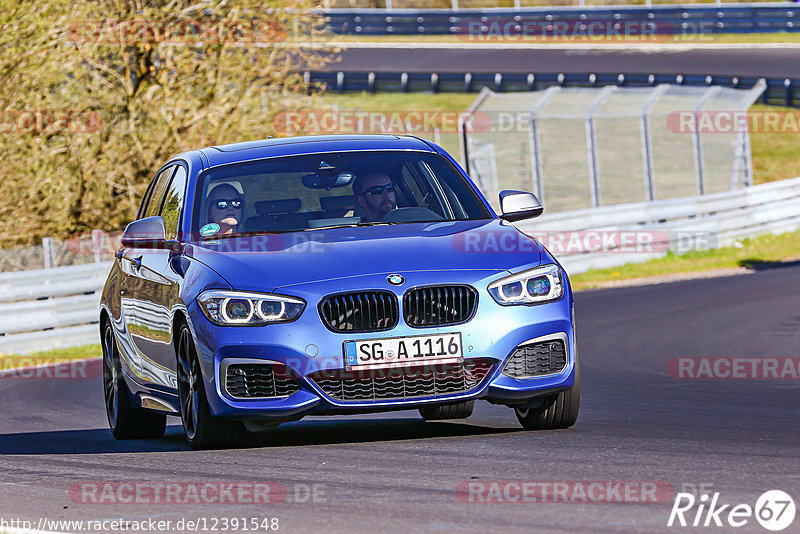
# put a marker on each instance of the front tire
(458, 410)
(126, 420)
(555, 412)
(202, 430)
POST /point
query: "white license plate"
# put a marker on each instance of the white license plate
(402, 351)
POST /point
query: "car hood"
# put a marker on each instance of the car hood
(263, 263)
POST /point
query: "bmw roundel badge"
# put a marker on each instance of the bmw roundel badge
(395, 279)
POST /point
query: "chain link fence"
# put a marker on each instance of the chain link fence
(580, 148)
(96, 247)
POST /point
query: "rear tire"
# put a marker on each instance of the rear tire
(126, 420)
(202, 430)
(458, 410)
(555, 412)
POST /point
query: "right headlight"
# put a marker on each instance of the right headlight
(240, 308)
(541, 284)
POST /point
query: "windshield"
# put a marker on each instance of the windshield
(310, 192)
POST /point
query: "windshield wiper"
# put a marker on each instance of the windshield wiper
(352, 225)
(244, 234)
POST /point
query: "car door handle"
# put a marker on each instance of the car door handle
(136, 262)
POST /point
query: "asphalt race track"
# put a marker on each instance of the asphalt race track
(396, 473)
(753, 61)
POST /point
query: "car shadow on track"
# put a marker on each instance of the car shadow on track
(299, 434)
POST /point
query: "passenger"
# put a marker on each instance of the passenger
(375, 195)
(226, 208)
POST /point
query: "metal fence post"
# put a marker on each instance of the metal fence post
(698, 139)
(49, 252)
(536, 160)
(463, 125)
(647, 140)
(748, 161)
(97, 245)
(591, 141)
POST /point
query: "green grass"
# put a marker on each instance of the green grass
(10, 361)
(759, 252)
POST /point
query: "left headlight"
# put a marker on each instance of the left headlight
(529, 287)
(240, 308)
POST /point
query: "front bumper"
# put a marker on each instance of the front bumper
(306, 347)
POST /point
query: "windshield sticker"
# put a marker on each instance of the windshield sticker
(209, 229)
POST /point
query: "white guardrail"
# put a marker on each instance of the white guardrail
(50, 308)
(58, 307)
(682, 224)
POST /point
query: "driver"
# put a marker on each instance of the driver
(226, 208)
(375, 195)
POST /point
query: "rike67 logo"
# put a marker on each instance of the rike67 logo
(774, 510)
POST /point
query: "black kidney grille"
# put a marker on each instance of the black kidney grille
(259, 381)
(403, 383)
(366, 311)
(439, 305)
(537, 359)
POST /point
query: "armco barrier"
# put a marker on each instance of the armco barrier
(779, 92)
(50, 308)
(715, 220)
(665, 19)
(58, 307)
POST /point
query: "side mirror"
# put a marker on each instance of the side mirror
(145, 233)
(519, 205)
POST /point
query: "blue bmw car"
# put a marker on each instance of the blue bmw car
(269, 280)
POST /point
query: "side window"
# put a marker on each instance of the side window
(145, 198)
(173, 202)
(154, 203)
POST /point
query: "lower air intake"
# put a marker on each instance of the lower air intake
(403, 383)
(259, 381)
(537, 359)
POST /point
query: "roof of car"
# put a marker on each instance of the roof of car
(289, 146)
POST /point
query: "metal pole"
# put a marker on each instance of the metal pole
(698, 140)
(591, 147)
(97, 245)
(536, 160)
(738, 161)
(49, 252)
(748, 158)
(591, 142)
(647, 140)
(462, 126)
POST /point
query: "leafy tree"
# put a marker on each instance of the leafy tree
(96, 95)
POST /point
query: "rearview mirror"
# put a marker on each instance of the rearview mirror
(322, 181)
(145, 233)
(519, 205)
